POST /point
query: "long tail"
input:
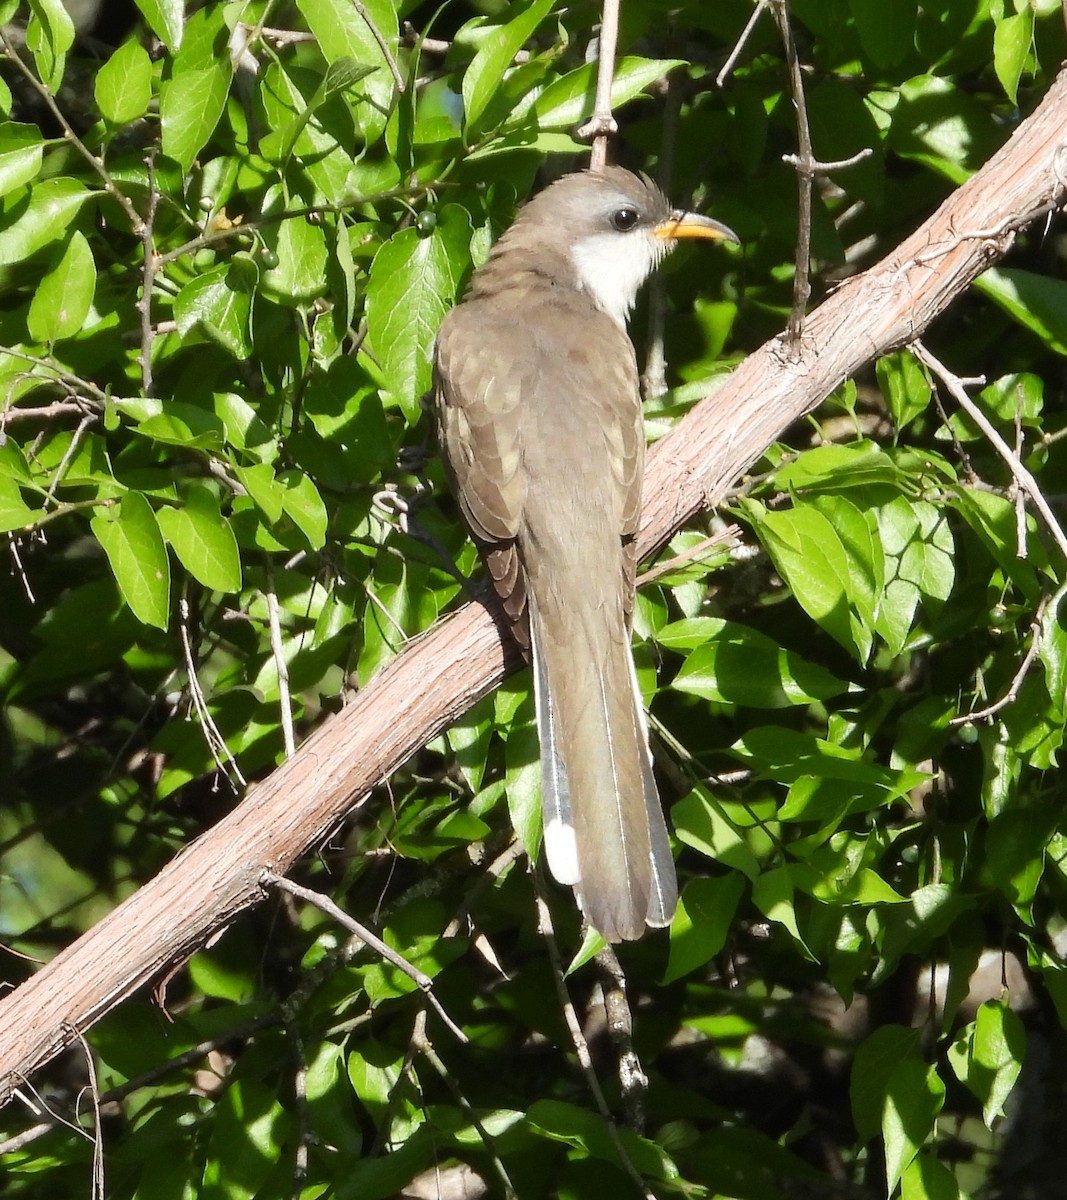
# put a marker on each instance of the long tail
(604, 828)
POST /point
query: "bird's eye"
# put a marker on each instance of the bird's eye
(624, 219)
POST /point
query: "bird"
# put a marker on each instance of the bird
(540, 423)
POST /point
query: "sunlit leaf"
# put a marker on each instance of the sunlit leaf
(134, 547)
(21, 151)
(62, 299)
(495, 55)
(124, 84)
(414, 280)
(203, 541)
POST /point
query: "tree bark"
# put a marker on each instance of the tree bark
(441, 674)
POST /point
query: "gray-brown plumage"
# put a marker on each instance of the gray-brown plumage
(540, 414)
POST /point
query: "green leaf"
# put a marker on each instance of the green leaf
(166, 19)
(495, 55)
(1019, 396)
(243, 426)
(741, 666)
(904, 386)
(262, 485)
(858, 531)
(174, 423)
(700, 822)
(49, 35)
(342, 32)
(413, 282)
(134, 547)
(919, 554)
(927, 1179)
(247, 1135)
(940, 125)
(203, 540)
(1016, 843)
(788, 755)
(290, 113)
(523, 777)
(124, 84)
(569, 100)
(773, 894)
(914, 1097)
(1012, 39)
(1036, 302)
(988, 1056)
(886, 28)
(15, 513)
(835, 468)
(21, 151)
(65, 295)
(47, 215)
(221, 311)
(301, 271)
(872, 1067)
(994, 519)
(304, 507)
(702, 923)
(812, 559)
(190, 106)
(587, 1133)
(1052, 650)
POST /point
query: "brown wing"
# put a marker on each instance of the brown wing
(625, 432)
(479, 414)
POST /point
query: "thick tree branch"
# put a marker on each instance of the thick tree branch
(439, 675)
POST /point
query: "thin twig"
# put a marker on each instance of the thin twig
(654, 376)
(1047, 610)
(148, 274)
(285, 699)
(20, 569)
(383, 45)
(47, 412)
(152, 1075)
(602, 124)
(819, 167)
(304, 1132)
(75, 382)
(425, 1048)
(632, 1078)
(498, 867)
(581, 1046)
(98, 1135)
(742, 41)
(280, 37)
(806, 169)
(723, 538)
(1023, 477)
(216, 742)
(69, 453)
(249, 225)
(96, 163)
(39, 1106)
(421, 980)
(1012, 694)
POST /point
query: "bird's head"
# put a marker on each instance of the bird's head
(613, 227)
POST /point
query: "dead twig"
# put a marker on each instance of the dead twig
(602, 124)
(1023, 477)
(581, 1046)
(421, 980)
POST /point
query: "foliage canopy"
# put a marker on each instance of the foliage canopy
(227, 237)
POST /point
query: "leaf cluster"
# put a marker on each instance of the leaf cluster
(226, 243)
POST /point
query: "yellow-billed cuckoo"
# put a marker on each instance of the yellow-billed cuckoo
(541, 424)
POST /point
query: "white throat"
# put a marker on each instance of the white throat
(612, 266)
